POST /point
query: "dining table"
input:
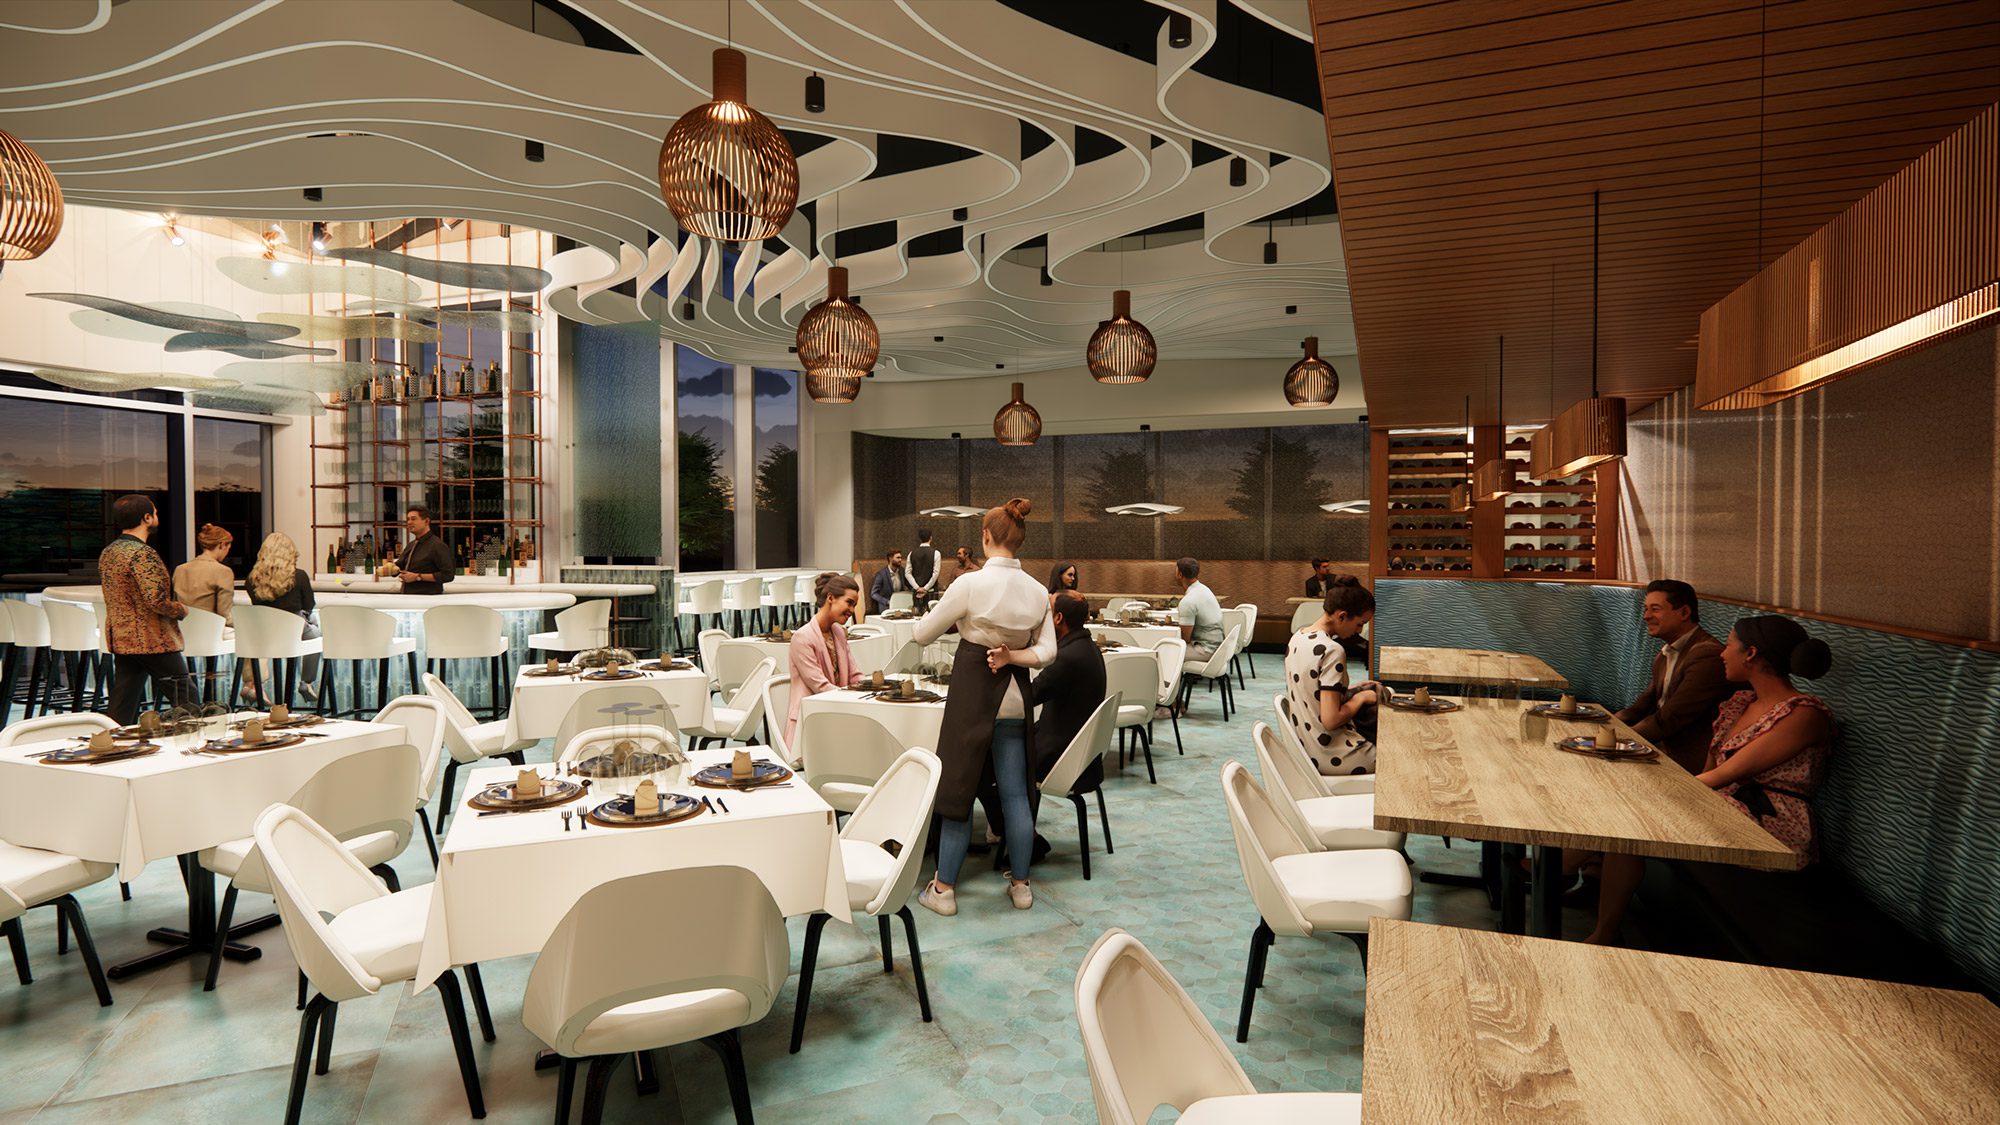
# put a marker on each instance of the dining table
(1141, 634)
(175, 802)
(1482, 771)
(913, 723)
(505, 879)
(541, 702)
(1464, 667)
(1470, 1025)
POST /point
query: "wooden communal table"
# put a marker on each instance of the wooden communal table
(1471, 773)
(1466, 1025)
(1477, 667)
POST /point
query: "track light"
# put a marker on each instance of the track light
(687, 310)
(1270, 253)
(173, 231)
(1180, 30)
(451, 224)
(815, 93)
(315, 195)
(1239, 171)
(319, 241)
(960, 214)
(534, 152)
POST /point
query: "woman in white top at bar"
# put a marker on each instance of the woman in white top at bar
(1004, 628)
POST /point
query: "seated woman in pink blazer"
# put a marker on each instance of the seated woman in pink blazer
(820, 657)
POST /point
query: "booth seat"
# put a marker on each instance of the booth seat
(1907, 815)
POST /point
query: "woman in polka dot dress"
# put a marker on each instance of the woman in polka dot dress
(1319, 701)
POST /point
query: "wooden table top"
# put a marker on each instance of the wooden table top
(1405, 664)
(1469, 773)
(1468, 1025)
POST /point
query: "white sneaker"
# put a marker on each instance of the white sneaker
(938, 900)
(1022, 894)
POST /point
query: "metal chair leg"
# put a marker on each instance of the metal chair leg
(1105, 819)
(303, 1059)
(806, 964)
(1082, 831)
(461, 1041)
(1253, 977)
(916, 960)
(731, 1049)
(221, 936)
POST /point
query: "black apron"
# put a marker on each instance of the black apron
(966, 738)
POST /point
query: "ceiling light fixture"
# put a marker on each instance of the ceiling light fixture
(1122, 349)
(1180, 30)
(960, 214)
(726, 172)
(315, 195)
(319, 240)
(173, 231)
(1311, 382)
(1017, 423)
(815, 93)
(838, 343)
(534, 152)
(1239, 171)
(1591, 431)
(1270, 244)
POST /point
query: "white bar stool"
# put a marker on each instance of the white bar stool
(354, 634)
(268, 633)
(73, 644)
(469, 632)
(30, 629)
(704, 600)
(780, 596)
(202, 640)
(742, 594)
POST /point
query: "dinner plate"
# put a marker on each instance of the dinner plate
(623, 674)
(239, 746)
(543, 670)
(1584, 713)
(288, 724)
(1627, 750)
(762, 773)
(500, 798)
(921, 695)
(676, 666)
(81, 755)
(1434, 707)
(617, 812)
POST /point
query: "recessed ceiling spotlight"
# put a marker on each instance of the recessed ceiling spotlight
(534, 151)
(960, 214)
(815, 93)
(1291, 310)
(315, 195)
(937, 339)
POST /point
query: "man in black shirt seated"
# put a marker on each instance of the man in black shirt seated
(1316, 585)
(1067, 690)
(425, 563)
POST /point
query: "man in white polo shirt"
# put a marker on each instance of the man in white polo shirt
(1200, 614)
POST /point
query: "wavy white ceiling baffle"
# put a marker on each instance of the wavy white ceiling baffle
(232, 107)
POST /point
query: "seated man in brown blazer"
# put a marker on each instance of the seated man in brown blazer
(1677, 711)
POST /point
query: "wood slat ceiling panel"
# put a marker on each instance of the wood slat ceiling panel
(1467, 139)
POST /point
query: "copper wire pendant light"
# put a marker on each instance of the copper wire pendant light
(1312, 381)
(1017, 423)
(726, 172)
(31, 202)
(1122, 349)
(838, 343)
(1494, 479)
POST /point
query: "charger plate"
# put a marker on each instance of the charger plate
(239, 746)
(922, 695)
(1434, 707)
(762, 773)
(617, 812)
(81, 755)
(500, 798)
(676, 666)
(623, 674)
(288, 724)
(602, 766)
(1627, 750)
(543, 670)
(1584, 713)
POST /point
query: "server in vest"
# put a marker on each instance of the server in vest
(925, 567)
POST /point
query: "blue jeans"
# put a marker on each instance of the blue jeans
(1010, 769)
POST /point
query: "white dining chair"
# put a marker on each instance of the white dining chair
(708, 642)
(601, 990)
(363, 800)
(469, 741)
(51, 728)
(28, 627)
(206, 640)
(352, 937)
(1070, 779)
(1325, 821)
(424, 724)
(902, 599)
(648, 737)
(1134, 676)
(1146, 1045)
(1172, 653)
(1113, 605)
(1246, 620)
(1307, 613)
(1214, 670)
(1299, 892)
(882, 850)
(580, 628)
(845, 755)
(737, 720)
(73, 645)
(355, 634)
(268, 633)
(777, 713)
(615, 705)
(469, 632)
(743, 595)
(734, 661)
(1327, 786)
(779, 599)
(32, 877)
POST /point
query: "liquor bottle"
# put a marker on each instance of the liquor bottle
(468, 383)
(529, 555)
(493, 378)
(332, 560)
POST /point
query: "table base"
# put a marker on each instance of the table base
(199, 936)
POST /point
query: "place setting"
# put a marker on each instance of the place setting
(1569, 710)
(1608, 746)
(528, 792)
(553, 667)
(742, 772)
(904, 689)
(102, 747)
(1423, 703)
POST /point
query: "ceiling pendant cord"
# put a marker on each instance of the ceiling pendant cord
(1595, 209)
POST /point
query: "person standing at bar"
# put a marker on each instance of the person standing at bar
(140, 613)
(1004, 628)
(425, 563)
(925, 568)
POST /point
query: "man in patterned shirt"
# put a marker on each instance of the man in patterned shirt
(140, 612)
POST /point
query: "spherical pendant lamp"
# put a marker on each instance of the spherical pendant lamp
(1017, 423)
(838, 343)
(1312, 381)
(726, 172)
(31, 202)
(1122, 349)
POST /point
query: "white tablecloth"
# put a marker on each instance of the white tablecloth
(503, 882)
(165, 804)
(540, 703)
(913, 724)
(1145, 636)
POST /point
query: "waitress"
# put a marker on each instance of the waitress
(1004, 627)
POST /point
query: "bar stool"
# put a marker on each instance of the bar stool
(704, 599)
(202, 640)
(73, 644)
(583, 626)
(468, 632)
(268, 633)
(780, 596)
(30, 628)
(7, 662)
(354, 634)
(742, 594)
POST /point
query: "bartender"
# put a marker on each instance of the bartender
(425, 563)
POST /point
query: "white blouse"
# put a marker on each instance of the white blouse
(993, 606)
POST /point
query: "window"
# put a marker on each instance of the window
(706, 449)
(229, 485)
(61, 466)
(775, 412)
